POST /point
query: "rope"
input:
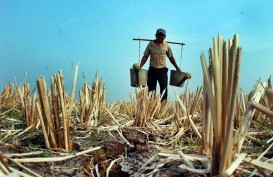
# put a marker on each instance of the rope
(181, 55)
(139, 51)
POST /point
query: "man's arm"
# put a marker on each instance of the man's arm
(172, 60)
(143, 60)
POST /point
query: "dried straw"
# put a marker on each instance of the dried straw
(220, 92)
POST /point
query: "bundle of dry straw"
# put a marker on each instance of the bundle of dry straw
(28, 104)
(20, 99)
(55, 111)
(143, 106)
(92, 100)
(10, 98)
(220, 94)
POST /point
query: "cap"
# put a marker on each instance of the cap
(160, 30)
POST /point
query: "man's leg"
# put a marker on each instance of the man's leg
(163, 82)
(151, 79)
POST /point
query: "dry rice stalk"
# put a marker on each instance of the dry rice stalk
(20, 99)
(9, 98)
(43, 126)
(189, 117)
(269, 100)
(55, 102)
(71, 104)
(221, 83)
(207, 127)
(45, 108)
(25, 168)
(163, 110)
(28, 105)
(180, 111)
(4, 164)
(56, 114)
(241, 104)
(262, 109)
(56, 159)
(63, 107)
(91, 103)
(144, 106)
(110, 166)
(243, 129)
(234, 165)
(259, 164)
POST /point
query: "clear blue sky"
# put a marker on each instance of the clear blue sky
(43, 36)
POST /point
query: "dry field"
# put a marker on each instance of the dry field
(215, 130)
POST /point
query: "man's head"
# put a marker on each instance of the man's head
(160, 34)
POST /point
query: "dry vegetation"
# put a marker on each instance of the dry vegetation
(216, 130)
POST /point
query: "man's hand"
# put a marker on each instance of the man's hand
(179, 70)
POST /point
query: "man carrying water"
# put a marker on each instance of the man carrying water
(158, 50)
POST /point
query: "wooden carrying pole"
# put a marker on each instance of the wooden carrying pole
(141, 39)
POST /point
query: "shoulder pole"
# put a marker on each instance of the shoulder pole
(141, 39)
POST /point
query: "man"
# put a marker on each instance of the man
(158, 50)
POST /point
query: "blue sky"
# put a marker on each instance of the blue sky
(43, 36)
